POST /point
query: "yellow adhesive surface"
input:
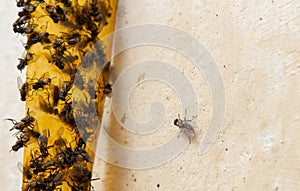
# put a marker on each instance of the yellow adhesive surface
(53, 157)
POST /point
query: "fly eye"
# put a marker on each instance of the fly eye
(176, 121)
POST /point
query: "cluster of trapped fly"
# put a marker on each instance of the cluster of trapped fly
(59, 34)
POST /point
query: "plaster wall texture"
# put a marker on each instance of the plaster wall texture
(254, 45)
(11, 49)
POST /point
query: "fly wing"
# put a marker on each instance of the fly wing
(20, 166)
(24, 54)
(19, 82)
(60, 131)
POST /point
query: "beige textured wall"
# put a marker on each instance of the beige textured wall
(255, 45)
(10, 105)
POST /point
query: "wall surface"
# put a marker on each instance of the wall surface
(10, 105)
(255, 47)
